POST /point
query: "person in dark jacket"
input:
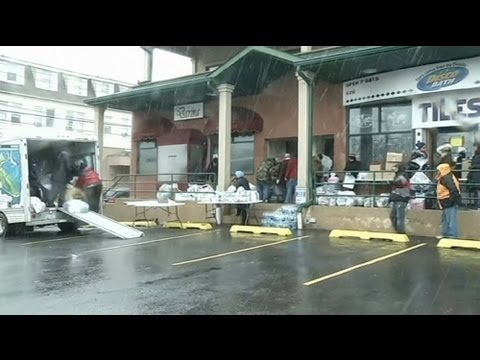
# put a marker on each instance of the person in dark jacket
(241, 181)
(212, 169)
(353, 165)
(280, 177)
(62, 174)
(449, 199)
(34, 173)
(399, 197)
(462, 155)
(473, 178)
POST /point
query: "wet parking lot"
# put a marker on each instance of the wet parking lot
(173, 271)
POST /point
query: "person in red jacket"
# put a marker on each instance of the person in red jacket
(91, 183)
(291, 179)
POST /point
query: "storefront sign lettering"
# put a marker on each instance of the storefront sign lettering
(449, 109)
(190, 111)
(469, 108)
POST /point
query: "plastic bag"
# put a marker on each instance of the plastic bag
(76, 206)
(349, 181)
(420, 182)
(37, 205)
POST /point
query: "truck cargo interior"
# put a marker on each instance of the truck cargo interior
(46, 152)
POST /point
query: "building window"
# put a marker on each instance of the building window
(243, 154)
(75, 120)
(76, 86)
(16, 115)
(46, 80)
(3, 115)
(13, 73)
(15, 118)
(38, 119)
(376, 130)
(103, 88)
(147, 157)
(50, 117)
(107, 129)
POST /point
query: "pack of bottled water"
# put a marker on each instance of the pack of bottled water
(285, 217)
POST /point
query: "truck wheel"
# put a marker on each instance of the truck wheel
(68, 228)
(3, 225)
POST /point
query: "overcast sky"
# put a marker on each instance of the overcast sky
(123, 63)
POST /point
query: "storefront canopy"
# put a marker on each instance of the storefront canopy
(352, 62)
(250, 71)
(256, 67)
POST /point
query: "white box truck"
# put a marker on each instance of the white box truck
(16, 213)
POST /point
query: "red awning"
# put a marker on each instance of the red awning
(243, 121)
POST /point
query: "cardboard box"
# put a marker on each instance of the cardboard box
(388, 175)
(376, 167)
(394, 157)
(390, 164)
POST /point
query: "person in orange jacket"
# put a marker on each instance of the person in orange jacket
(91, 183)
(449, 199)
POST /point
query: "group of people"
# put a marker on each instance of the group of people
(279, 178)
(63, 172)
(274, 177)
(448, 188)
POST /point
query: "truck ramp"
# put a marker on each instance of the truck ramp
(106, 224)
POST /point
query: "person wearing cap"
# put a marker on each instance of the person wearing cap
(449, 199)
(445, 153)
(421, 147)
(353, 166)
(241, 181)
(418, 160)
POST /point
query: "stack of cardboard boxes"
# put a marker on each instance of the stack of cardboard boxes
(387, 174)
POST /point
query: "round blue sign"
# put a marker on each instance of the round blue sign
(442, 78)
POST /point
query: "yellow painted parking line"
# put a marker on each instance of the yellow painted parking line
(239, 251)
(326, 277)
(147, 242)
(52, 240)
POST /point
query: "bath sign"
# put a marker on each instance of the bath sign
(187, 112)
